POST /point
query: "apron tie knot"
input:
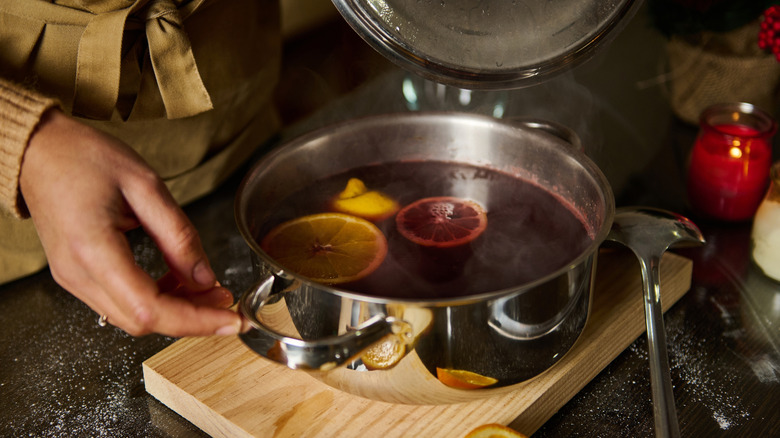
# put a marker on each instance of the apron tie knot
(100, 56)
(182, 89)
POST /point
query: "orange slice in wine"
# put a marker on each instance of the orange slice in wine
(441, 222)
(329, 248)
(356, 199)
(463, 379)
(494, 431)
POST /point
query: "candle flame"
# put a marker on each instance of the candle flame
(735, 152)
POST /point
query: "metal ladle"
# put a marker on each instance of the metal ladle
(649, 232)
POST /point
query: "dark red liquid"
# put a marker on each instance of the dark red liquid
(729, 172)
(530, 233)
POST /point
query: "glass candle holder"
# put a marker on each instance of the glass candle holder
(728, 171)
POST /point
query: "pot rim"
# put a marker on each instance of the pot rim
(599, 235)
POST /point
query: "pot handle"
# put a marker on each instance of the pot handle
(564, 133)
(321, 354)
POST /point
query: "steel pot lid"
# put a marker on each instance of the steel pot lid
(486, 44)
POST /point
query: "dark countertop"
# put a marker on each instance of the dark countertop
(62, 375)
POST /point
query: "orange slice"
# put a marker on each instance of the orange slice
(441, 222)
(384, 354)
(329, 248)
(494, 431)
(463, 379)
(357, 200)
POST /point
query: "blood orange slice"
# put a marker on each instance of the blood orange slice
(442, 221)
(330, 248)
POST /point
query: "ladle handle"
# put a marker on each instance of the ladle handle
(666, 425)
(321, 354)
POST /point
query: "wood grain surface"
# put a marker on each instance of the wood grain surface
(226, 390)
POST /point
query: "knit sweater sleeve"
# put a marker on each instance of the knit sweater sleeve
(20, 112)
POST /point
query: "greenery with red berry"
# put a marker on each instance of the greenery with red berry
(769, 35)
(689, 17)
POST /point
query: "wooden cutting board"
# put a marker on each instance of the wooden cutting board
(227, 390)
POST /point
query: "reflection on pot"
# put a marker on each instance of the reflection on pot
(421, 94)
(513, 319)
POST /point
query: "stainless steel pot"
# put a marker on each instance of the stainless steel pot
(508, 335)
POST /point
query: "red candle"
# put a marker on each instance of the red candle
(728, 173)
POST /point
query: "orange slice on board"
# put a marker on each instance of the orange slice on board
(330, 248)
(385, 354)
(442, 221)
(494, 431)
(463, 379)
(356, 199)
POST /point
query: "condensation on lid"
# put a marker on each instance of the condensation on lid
(486, 44)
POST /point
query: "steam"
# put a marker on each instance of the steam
(530, 234)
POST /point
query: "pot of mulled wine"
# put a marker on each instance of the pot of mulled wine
(423, 258)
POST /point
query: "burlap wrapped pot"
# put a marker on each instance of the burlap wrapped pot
(710, 68)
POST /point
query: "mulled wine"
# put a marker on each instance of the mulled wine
(530, 232)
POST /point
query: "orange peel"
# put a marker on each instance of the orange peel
(463, 379)
(494, 430)
(356, 199)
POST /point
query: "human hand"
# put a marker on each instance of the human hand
(84, 189)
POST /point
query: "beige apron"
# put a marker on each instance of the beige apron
(188, 84)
